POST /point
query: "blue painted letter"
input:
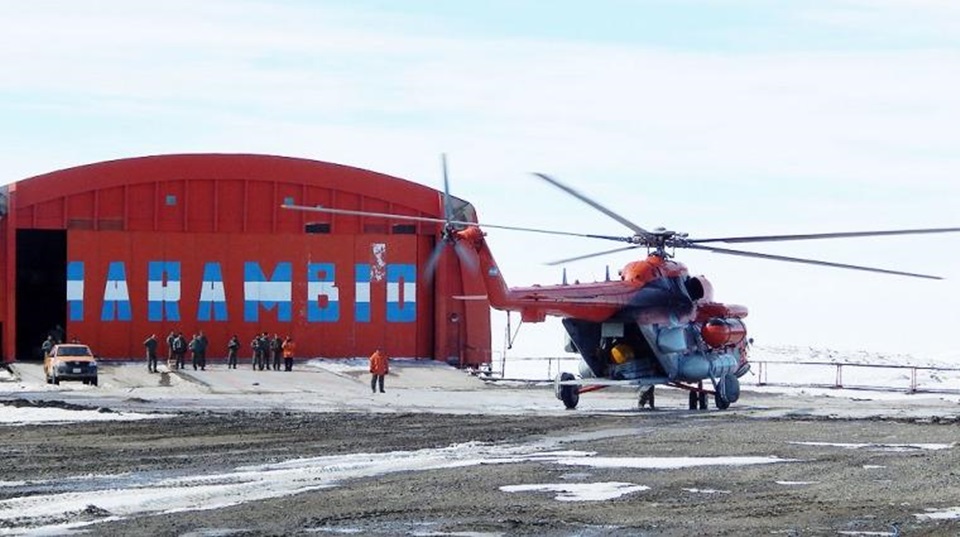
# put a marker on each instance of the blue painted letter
(321, 282)
(401, 293)
(116, 296)
(75, 290)
(259, 291)
(163, 290)
(213, 295)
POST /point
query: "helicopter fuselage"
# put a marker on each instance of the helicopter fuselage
(654, 325)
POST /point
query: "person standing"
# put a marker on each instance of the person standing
(255, 347)
(202, 343)
(277, 351)
(59, 335)
(170, 338)
(47, 346)
(264, 351)
(194, 354)
(232, 347)
(179, 349)
(151, 345)
(379, 367)
(289, 347)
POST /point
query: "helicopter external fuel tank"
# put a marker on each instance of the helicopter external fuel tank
(723, 332)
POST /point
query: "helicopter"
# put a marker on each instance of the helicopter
(655, 325)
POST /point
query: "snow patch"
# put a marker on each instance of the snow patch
(899, 448)
(12, 415)
(668, 463)
(952, 513)
(582, 492)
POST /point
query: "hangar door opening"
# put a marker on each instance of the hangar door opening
(41, 288)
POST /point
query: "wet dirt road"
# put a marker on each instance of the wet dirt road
(820, 476)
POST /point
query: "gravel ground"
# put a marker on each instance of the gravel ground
(877, 488)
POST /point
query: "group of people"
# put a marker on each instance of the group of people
(264, 347)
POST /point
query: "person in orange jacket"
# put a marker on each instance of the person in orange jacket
(288, 348)
(379, 367)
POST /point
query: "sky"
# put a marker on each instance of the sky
(709, 117)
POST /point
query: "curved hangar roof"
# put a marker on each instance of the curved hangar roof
(220, 192)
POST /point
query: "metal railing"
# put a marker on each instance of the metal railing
(913, 384)
(761, 373)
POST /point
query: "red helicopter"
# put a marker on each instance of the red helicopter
(657, 324)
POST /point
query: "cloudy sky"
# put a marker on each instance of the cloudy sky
(714, 117)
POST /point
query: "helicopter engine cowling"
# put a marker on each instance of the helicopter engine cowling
(723, 332)
(699, 288)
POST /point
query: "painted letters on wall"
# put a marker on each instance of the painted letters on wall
(335, 293)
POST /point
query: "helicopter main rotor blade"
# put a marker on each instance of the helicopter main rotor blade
(447, 210)
(433, 220)
(809, 261)
(813, 236)
(588, 256)
(633, 227)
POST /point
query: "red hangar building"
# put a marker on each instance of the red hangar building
(110, 253)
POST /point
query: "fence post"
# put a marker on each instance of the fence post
(839, 382)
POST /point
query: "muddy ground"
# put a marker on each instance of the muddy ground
(826, 490)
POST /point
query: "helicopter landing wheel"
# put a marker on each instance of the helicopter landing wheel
(728, 391)
(698, 400)
(570, 395)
